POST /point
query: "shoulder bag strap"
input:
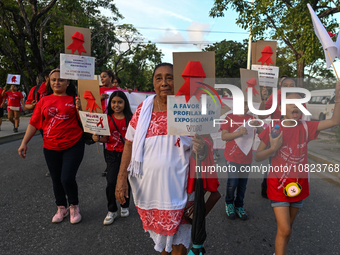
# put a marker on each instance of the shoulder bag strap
(114, 123)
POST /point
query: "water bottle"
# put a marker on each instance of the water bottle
(275, 133)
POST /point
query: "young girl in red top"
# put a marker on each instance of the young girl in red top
(14, 98)
(119, 115)
(288, 182)
(57, 116)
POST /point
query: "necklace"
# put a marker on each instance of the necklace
(158, 105)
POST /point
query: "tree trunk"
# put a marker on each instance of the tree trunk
(300, 68)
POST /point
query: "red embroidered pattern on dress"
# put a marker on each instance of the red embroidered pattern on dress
(158, 122)
(163, 222)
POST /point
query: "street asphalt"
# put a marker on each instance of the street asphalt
(27, 207)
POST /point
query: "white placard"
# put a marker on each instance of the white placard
(268, 75)
(187, 119)
(75, 67)
(13, 79)
(95, 123)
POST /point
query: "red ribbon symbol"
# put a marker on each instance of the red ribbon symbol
(100, 122)
(91, 102)
(77, 45)
(14, 79)
(193, 69)
(251, 84)
(266, 56)
(177, 143)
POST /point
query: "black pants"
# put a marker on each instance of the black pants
(113, 163)
(63, 167)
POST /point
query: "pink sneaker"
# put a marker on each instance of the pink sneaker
(75, 214)
(60, 215)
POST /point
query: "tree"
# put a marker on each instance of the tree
(287, 21)
(230, 56)
(31, 33)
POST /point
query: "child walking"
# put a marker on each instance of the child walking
(238, 159)
(288, 183)
(119, 115)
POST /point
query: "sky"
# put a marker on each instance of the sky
(172, 20)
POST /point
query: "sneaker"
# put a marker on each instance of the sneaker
(15, 130)
(47, 174)
(60, 215)
(229, 209)
(124, 212)
(241, 213)
(110, 218)
(75, 214)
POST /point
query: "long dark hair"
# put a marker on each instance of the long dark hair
(71, 88)
(127, 109)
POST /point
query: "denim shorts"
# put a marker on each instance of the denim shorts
(297, 204)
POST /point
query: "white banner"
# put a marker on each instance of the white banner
(135, 98)
(13, 79)
(75, 67)
(268, 75)
(95, 123)
(190, 118)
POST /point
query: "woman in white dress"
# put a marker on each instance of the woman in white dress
(158, 165)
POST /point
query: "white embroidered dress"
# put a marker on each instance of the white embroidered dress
(160, 195)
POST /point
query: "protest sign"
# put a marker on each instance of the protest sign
(187, 118)
(249, 79)
(264, 53)
(95, 123)
(77, 40)
(268, 75)
(90, 102)
(75, 67)
(13, 79)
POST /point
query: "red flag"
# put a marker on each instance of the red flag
(91, 102)
(267, 52)
(77, 44)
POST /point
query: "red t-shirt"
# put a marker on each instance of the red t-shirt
(57, 116)
(115, 142)
(1, 97)
(42, 92)
(13, 98)
(102, 90)
(294, 155)
(232, 152)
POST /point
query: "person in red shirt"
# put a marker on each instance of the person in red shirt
(2, 103)
(14, 98)
(237, 159)
(119, 115)
(289, 170)
(37, 92)
(57, 115)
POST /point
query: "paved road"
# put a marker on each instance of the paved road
(27, 206)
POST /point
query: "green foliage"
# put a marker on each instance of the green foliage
(286, 21)
(230, 56)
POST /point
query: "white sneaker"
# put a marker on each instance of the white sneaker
(110, 218)
(124, 212)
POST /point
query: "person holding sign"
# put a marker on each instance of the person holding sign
(238, 154)
(57, 116)
(288, 183)
(158, 167)
(14, 98)
(119, 115)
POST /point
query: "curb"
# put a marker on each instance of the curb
(324, 160)
(14, 137)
